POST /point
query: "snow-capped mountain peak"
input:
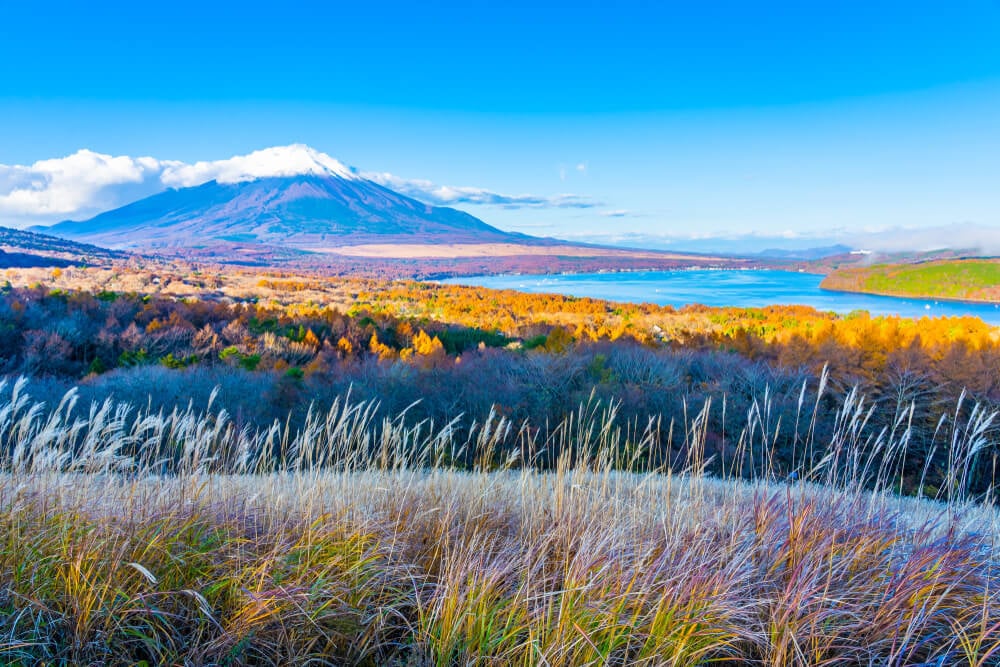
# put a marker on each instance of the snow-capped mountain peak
(274, 162)
(290, 196)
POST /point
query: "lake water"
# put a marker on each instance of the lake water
(728, 288)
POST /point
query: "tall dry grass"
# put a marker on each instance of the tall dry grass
(131, 537)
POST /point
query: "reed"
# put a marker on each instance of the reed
(176, 538)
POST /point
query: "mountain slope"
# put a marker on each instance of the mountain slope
(310, 211)
(19, 248)
(295, 205)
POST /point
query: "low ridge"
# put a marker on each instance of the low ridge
(20, 248)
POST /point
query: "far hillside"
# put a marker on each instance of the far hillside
(23, 249)
(962, 279)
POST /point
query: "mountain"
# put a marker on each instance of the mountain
(19, 248)
(294, 206)
(314, 204)
(804, 253)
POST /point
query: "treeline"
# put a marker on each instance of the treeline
(77, 333)
(750, 418)
(273, 363)
(876, 352)
(74, 334)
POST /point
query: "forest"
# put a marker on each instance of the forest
(443, 354)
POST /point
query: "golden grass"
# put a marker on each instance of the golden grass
(111, 555)
(442, 567)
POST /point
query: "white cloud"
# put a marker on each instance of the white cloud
(446, 195)
(84, 180)
(270, 162)
(958, 236)
(86, 183)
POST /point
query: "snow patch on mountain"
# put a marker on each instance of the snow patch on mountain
(275, 162)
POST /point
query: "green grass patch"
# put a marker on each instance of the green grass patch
(977, 280)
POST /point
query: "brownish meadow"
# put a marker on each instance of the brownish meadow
(132, 537)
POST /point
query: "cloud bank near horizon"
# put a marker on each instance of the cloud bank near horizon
(85, 183)
(960, 236)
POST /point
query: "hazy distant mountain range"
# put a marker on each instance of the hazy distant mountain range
(958, 238)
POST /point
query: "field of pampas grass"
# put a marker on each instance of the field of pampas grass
(130, 538)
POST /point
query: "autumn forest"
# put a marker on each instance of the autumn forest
(278, 345)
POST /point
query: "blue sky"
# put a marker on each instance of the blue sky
(667, 119)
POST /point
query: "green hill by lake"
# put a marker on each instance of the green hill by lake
(965, 279)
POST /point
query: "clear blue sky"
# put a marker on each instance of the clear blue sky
(672, 118)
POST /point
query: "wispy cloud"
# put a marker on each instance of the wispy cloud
(86, 183)
(446, 195)
(958, 236)
(579, 167)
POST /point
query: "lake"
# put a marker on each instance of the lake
(728, 288)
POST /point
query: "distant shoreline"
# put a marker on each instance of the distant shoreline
(903, 295)
(971, 281)
(759, 287)
(507, 274)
